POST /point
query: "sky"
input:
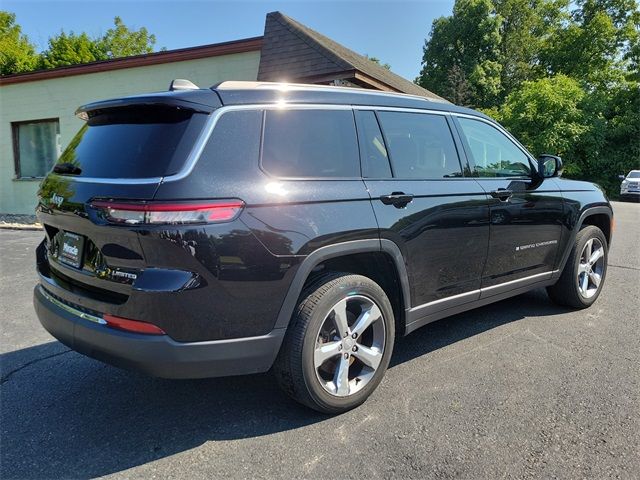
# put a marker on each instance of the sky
(393, 31)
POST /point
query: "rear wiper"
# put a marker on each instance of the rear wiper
(67, 168)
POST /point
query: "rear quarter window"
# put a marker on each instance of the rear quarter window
(135, 142)
(310, 144)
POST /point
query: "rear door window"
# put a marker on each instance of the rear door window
(135, 142)
(310, 143)
(420, 145)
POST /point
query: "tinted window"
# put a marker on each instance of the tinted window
(134, 143)
(421, 145)
(633, 175)
(375, 160)
(310, 143)
(492, 152)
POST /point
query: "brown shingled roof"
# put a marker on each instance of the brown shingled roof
(294, 52)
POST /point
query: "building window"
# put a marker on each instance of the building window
(36, 147)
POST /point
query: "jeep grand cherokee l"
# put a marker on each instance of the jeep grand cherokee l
(248, 227)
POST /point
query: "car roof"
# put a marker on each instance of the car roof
(245, 93)
(265, 93)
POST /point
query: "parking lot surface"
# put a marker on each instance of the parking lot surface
(518, 389)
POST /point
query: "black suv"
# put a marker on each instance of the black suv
(248, 227)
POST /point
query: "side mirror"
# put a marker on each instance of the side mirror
(621, 177)
(549, 165)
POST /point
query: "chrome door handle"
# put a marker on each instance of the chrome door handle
(502, 193)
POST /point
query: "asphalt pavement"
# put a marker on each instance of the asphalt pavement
(518, 389)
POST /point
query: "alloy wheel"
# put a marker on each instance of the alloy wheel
(590, 268)
(349, 345)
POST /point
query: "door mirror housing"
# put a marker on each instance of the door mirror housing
(621, 177)
(549, 166)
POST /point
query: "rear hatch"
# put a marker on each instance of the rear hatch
(122, 153)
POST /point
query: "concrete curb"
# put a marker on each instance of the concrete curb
(35, 227)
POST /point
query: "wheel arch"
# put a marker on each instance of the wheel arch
(598, 216)
(348, 256)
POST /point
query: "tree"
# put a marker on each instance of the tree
(546, 115)
(17, 54)
(526, 26)
(72, 49)
(377, 60)
(124, 42)
(599, 44)
(462, 53)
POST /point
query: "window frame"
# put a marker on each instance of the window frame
(360, 133)
(349, 108)
(15, 140)
(447, 117)
(467, 148)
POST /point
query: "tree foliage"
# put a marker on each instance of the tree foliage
(70, 49)
(64, 49)
(17, 54)
(121, 41)
(562, 76)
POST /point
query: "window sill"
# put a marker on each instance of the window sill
(27, 179)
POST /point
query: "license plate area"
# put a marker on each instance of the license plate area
(71, 249)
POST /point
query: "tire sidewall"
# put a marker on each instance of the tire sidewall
(349, 287)
(586, 234)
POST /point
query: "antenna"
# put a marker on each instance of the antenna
(182, 84)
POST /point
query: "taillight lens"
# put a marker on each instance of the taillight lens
(134, 326)
(157, 213)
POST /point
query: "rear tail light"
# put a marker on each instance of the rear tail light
(135, 213)
(134, 326)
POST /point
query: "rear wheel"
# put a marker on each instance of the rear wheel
(338, 346)
(583, 276)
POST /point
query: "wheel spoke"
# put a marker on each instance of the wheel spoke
(371, 357)
(341, 377)
(587, 249)
(365, 319)
(326, 351)
(584, 285)
(595, 278)
(595, 256)
(340, 318)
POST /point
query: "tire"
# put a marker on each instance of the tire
(314, 357)
(570, 289)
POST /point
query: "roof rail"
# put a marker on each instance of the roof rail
(282, 86)
(182, 84)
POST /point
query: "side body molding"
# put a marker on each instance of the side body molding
(338, 250)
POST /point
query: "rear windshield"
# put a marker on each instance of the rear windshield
(133, 143)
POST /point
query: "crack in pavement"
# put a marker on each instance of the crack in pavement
(36, 360)
(637, 269)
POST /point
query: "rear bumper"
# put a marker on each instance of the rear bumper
(156, 355)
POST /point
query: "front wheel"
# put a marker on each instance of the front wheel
(338, 346)
(583, 276)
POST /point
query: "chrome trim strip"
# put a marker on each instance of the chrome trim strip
(203, 138)
(119, 181)
(73, 311)
(401, 109)
(446, 299)
(456, 298)
(518, 280)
